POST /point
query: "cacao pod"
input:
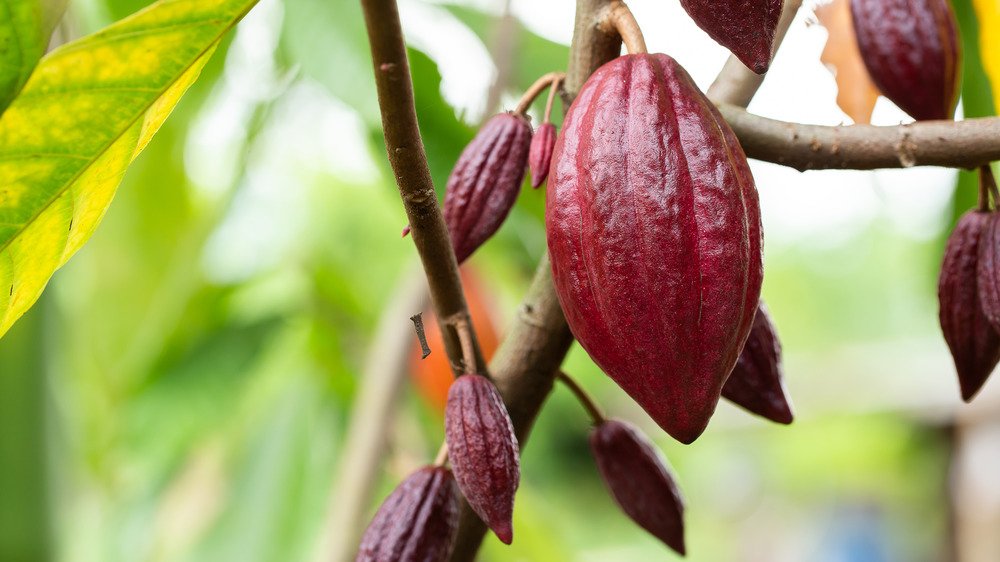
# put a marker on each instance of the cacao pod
(640, 481)
(483, 451)
(988, 271)
(756, 383)
(974, 344)
(485, 182)
(745, 27)
(541, 153)
(912, 51)
(654, 235)
(418, 522)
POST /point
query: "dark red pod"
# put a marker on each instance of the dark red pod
(745, 27)
(988, 271)
(640, 481)
(974, 344)
(757, 383)
(541, 153)
(484, 184)
(418, 522)
(912, 51)
(654, 235)
(483, 451)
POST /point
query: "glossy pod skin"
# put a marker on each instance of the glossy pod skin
(540, 155)
(483, 451)
(654, 235)
(417, 522)
(485, 182)
(745, 27)
(973, 342)
(757, 383)
(988, 271)
(912, 51)
(637, 476)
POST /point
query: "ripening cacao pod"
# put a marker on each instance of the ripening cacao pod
(757, 383)
(974, 344)
(484, 184)
(640, 481)
(541, 153)
(654, 235)
(483, 451)
(745, 27)
(417, 522)
(988, 270)
(913, 53)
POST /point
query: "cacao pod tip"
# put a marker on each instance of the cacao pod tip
(483, 451)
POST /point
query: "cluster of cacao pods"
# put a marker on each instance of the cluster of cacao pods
(969, 293)
(912, 51)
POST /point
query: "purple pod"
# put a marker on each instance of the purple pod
(757, 383)
(418, 522)
(484, 184)
(640, 481)
(745, 27)
(483, 451)
(540, 154)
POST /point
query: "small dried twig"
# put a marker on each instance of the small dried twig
(418, 325)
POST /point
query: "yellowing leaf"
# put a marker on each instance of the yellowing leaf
(856, 93)
(988, 14)
(87, 111)
(25, 26)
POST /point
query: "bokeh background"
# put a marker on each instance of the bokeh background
(184, 389)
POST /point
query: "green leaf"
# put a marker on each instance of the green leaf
(25, 27)
(87, 111)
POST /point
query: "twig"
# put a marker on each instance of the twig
(418, 326)
(582, 397)
(963, 144)
(409, 164)
(618, 18)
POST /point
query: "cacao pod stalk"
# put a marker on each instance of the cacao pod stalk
(654, 235)
(640, 481)
(745, 27)
(418, 522)
(974, 344)
(913, 53)
(757, 383)
(485, 182)
(483, 451)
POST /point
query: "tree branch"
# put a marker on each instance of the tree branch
(409, 164)
(963, 144)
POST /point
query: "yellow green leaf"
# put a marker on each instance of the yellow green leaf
(25, 26)
(87, 111)
(988, 14)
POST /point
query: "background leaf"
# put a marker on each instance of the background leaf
(25, 26)
(89, 109)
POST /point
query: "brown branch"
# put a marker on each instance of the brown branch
(963, 144)
(409, 164)
(737, 84)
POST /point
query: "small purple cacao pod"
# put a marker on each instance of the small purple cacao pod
(988, 271)
(484, 184)
(745, 27)
(640, 481)
(654, 233)
(483, 451)
(541, 153)
(974, 344)
(418, 522)
(913, 53)
(756, 383)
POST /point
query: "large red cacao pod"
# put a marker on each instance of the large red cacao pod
(654, 233)
(745, 27)
(418, 522)
(974, 344)
(640, 481)
(483, 451)
(757, 383)
(913, 53)
(485, 182)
